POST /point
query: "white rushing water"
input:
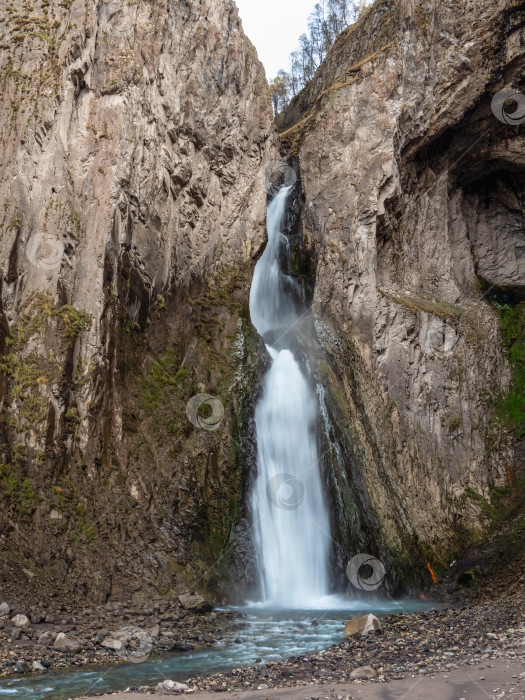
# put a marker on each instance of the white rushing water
(290, 516)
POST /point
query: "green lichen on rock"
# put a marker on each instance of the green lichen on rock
(29, 365)
(511, 408)
(201, 343)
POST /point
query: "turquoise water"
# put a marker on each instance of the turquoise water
(265, 635)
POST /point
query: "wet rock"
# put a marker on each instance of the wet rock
(171, 687)
(63, 643)
(361, 625)
(21, 667)
(182, 646)
(364, 673)
(21, 621)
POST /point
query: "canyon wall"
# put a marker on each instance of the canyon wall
(133, 143)
(411, 192)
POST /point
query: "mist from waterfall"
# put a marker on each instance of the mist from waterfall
(291, 524)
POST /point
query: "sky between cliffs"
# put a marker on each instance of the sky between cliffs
(274, 27)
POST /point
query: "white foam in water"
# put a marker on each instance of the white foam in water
(291, 524)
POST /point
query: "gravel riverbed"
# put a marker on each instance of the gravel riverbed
(479, 626)
(185, 624)
(482, 627)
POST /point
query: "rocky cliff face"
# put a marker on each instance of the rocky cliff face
(132, 141)
(133, 138)
(412, 195)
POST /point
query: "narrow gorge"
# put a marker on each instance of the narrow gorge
(240, 349)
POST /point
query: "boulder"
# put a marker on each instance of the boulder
(195, 603)
(16, 633)
(47, 639)
(361, 625)
(365, 673)
(63, 643)
(125, 633)
(21, 621)
(171, 687)
(4, 609)
(112, 644)
(37, 666)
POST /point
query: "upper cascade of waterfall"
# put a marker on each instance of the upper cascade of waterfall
(291, 523)
(272, 292)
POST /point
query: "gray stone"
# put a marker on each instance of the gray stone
(171, 687)
(4, 609)
(112, 644)
(63, 643)
(47, 638)
(364, 673)
(195, 603)
(21, 621)
(361, 625)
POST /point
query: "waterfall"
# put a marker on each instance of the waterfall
(291, 524)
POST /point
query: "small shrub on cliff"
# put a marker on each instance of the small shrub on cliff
(73, 320)
(17, 490)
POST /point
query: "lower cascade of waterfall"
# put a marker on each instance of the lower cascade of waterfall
(290, 516)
